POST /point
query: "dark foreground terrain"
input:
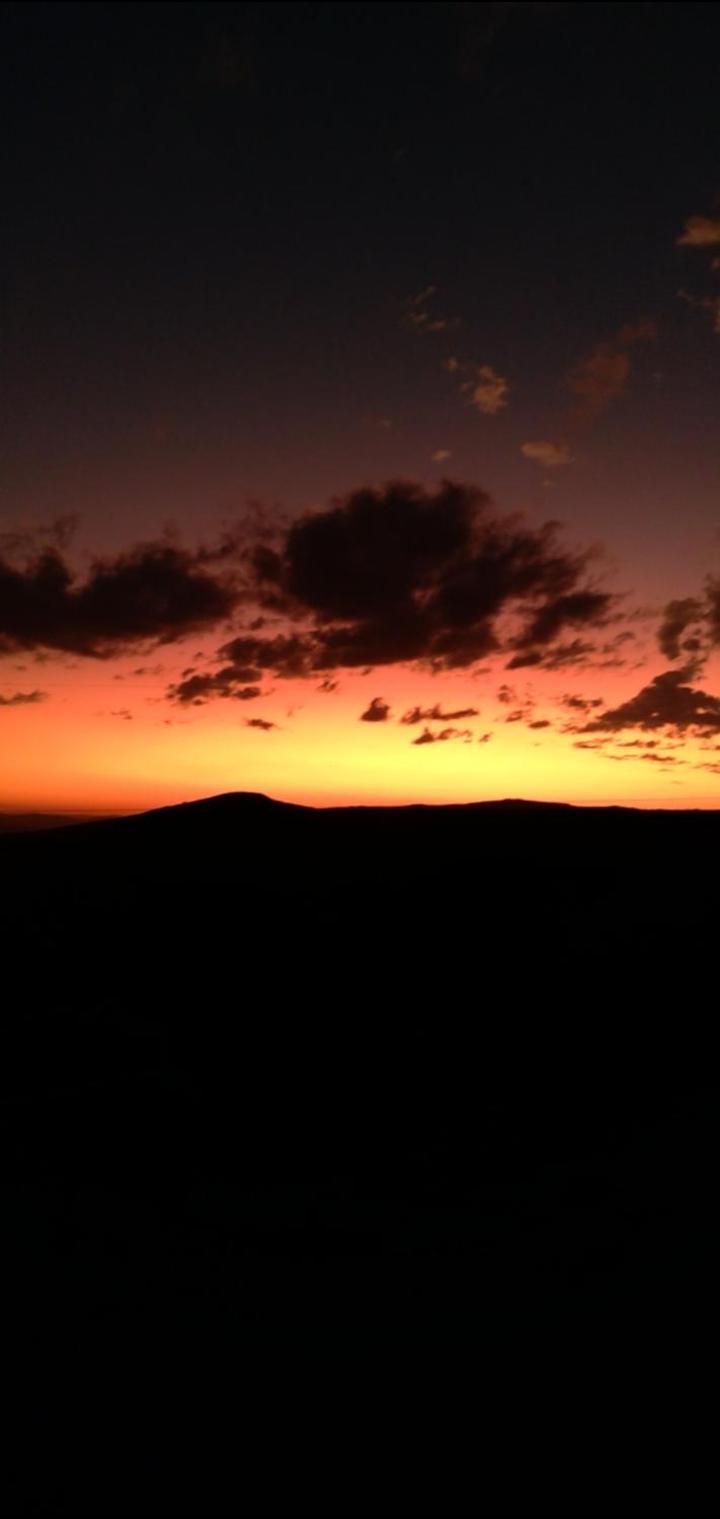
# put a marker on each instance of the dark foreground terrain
(361, 1161)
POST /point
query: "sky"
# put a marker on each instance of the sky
(360, 377)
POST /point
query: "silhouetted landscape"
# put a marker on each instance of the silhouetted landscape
(359, 447)
(360, 1159)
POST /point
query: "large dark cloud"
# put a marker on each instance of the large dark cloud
(398, 574)
(401, 574)
(668, 701)
(156, 592)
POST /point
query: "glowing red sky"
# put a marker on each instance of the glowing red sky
(248, 277)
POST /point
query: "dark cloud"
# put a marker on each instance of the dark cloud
(436, 715)
(678, 616)
(575, 610)
(405, 575)
(668, 701)
(426, 737)
(542, 722)
(713, 607)
(377, 712)
(23, 699)
(576, 652)
(153, 593)
(581, 703)
(524, 661)
(58, 533)
(198, 689)
(260, 722)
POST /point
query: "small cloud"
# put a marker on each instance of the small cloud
(420, 318)
(122, 712)
(261, 723)
(440, 455)
(603, 376)
(426, 737)
(581, 703)
(23, 699)
(425, 323)
(377, 712)
(542, 722)
(436, 715)
(549, 455)
(486, 389)
(700, 232)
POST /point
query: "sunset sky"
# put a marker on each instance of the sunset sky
(360, 429)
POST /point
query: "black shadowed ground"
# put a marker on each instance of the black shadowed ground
(361, 1160)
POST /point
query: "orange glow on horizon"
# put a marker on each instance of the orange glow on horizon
(117, 745)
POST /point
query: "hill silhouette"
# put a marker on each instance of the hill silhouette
(318, 1117)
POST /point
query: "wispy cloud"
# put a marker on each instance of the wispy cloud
(485, 389)
(422, 316)
(549, 455)
(23, 699)
(603, 375)
(700, 232)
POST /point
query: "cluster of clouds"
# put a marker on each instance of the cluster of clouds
(435, 579)
(480, 384)
(703, 232)
(597, 380)
(403, 575)
(379, 711)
